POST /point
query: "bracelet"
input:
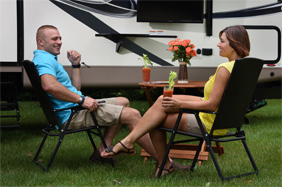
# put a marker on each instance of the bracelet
(76, 66)
(81, 100)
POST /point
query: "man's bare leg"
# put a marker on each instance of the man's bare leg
(111, 132)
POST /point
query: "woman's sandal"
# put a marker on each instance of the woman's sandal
(130, 151)
(165, 171)
(176, 165)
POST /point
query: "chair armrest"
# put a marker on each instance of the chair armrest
(77, 108)
(190, 111)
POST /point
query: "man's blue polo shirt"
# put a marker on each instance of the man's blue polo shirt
(47, 63)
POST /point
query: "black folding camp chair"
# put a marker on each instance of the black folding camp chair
(230, 114)
(53, 127)
(10, 86)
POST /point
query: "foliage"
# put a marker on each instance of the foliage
(172, 76)
(146, 60)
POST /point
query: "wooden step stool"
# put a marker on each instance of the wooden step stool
(188, 151)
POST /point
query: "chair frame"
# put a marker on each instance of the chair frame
(61, 132)
(221, 120)
(53, 123)
(9, 93)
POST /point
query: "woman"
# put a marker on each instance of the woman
(234, 44)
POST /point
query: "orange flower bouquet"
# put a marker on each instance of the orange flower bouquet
(183, 50)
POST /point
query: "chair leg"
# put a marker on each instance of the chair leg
(104, 143)
(18, 115)
(55, 152)
(40, 148)
(91, 140)
(201, 144)
(250, 156)
(169, 144)
(98, 130)
(102, 138)
(61, 137)
(209, 146)
(100, 135)
(166, 154)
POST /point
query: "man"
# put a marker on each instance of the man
(64, 91)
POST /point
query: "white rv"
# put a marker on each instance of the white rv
(112, 35)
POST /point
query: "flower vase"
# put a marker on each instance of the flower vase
(183, 73)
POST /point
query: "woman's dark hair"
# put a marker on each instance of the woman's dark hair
(238, 39)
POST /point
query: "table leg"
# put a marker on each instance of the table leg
(148, 95)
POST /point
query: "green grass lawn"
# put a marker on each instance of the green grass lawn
(72, 166)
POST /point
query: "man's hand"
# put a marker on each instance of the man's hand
(90, 103)
(74, 57)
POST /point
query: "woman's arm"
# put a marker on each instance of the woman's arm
(216, 94)
(212, 103)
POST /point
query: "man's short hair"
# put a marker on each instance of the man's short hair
(43, 27)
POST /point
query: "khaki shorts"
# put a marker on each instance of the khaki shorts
(193, 126)
(107, 114)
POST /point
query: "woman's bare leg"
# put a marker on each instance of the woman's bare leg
(154, 117)
(158, 137)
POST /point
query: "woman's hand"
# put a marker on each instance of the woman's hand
(171, 103)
